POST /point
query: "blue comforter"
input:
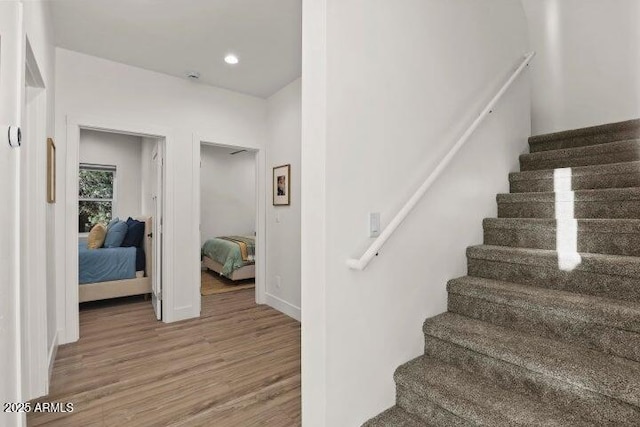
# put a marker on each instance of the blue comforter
(106, 264)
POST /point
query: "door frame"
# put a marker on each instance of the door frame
(34, 289)
(157, 232)
(261, 213)
(74, 124)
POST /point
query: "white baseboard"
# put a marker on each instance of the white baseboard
(284, 307)
(53, 351)
(181, 313)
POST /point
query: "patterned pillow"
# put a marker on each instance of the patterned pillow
(96, 236)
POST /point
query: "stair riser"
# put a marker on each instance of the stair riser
(584, 141)
(583, 282)
(423, 408)
(584, 182)
(394, 416)
(549, 325)
(545, 238)
(618, 156)
(611, 209)
(594, 406)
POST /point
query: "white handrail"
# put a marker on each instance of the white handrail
(361, 264)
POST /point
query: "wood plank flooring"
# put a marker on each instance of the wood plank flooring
(212, 283)
(238, 365)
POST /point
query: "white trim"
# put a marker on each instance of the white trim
(284, 307)
(261, 212)
(182, 313)
(53, 351)
(69, 326)
(313, 213)
(33, 292)
(114, 187)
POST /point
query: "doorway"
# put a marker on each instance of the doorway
(235, 175)
(147, 214)
(119, 219)
(227, 219)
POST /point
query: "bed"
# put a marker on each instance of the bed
(230, 256)
(116, 272)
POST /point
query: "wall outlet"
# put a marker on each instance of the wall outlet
(278, 281)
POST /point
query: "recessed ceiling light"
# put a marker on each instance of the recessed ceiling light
(231, 59)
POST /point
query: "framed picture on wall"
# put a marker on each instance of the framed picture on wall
(51, 171)
(282, 185)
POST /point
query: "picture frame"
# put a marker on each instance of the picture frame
(282, 185)
(51, 171)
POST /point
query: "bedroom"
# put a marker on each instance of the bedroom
(119, 184)
(227, 219)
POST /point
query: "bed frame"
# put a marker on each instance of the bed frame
(123, 288)
(242, 273)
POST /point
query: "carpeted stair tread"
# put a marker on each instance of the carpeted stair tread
(585, 308)
(603, 236)
(605, 194)
(600, 225)
(586, 136)
(474, 398)
(612, 152)
(608, 203)
(607, 276)
(613, 175)
(396, 417)
(610, 326)
(614, 265)
(591, 370)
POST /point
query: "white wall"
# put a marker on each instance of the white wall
(283, 222)
(92, 87)
(125, 153)
(403, 80)
(227, 193)
(587, 71)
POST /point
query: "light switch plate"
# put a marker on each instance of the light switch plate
(374, 224)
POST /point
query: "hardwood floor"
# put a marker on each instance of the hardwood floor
(212, 283)
(238, 365)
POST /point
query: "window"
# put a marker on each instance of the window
(96, 195)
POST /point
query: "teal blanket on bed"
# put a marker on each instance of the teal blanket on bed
(230, 251)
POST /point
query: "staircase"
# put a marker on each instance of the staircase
(534, 334)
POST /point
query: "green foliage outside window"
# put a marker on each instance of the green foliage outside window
(95, 197)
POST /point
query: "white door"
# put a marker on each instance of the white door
(11, 103)
(156, 194)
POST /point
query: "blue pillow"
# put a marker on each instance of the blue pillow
(116, 234)
(135, 234)
(113, 222)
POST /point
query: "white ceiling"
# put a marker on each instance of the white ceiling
(176, 36)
